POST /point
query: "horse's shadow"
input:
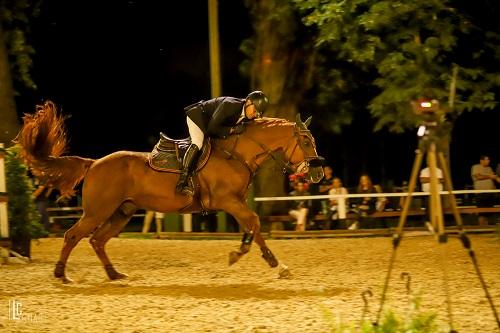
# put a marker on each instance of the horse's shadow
(213, 291)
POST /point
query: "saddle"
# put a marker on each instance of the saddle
(168, 153)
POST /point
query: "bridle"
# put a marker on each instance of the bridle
(287, 166)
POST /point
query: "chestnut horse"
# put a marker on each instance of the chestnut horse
(116, 185)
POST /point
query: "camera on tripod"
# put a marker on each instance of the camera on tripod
(429, 111)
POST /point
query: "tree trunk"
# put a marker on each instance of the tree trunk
(274, 67)
(9, 122)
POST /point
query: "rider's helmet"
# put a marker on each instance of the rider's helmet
(259, 100)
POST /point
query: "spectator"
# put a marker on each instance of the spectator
(337, 188)
(148, 218)
(300, 208)
(425, 181)
(497, 171)
(324, 186)
(483, 177)
(368, 205)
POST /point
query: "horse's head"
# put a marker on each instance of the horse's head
(301, 152)
(290, 144)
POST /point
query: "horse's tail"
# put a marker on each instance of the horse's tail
(43, 140)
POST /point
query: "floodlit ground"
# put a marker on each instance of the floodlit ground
(187, 286)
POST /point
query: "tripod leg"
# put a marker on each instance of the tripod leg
(411, 188)
(437, 220)
(463, 237)
(449, 187)
(399, 232)
(435, 198)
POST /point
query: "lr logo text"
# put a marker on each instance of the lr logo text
(15, 310)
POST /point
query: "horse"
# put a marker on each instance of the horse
(118, 184)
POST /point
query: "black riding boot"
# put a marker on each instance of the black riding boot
(188, 164)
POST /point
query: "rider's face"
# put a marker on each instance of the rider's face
(250, 111)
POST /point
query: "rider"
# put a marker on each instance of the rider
(217, 117)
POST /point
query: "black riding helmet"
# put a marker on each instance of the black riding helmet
(259, 100)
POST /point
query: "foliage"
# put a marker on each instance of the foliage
(283, 60)
(415, 320)
(15, 17)
(416, 49)
(24, 218)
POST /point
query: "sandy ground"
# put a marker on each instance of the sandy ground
(187, 285)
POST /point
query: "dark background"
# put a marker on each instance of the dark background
(123, 71)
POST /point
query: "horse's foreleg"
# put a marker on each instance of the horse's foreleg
(71, 238)
(251, 224)
(105, 232)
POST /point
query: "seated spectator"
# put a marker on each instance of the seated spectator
(299, 208)
(337, 188)
(367, 205)
(324, 185)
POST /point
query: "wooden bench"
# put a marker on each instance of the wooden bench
(470, 210)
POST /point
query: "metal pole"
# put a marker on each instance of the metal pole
(215, 73)
(213, 38)
(4, 222)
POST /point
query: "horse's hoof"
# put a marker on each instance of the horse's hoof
(113, 274)
(66, 280)
(118, 276)
(234, 257)
(59, 270)
(284, 272)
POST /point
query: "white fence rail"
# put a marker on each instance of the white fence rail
(341, 198)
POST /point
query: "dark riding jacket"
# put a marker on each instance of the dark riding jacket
(216, 117)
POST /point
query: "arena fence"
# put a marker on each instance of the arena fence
(62, 218)
(342, 198)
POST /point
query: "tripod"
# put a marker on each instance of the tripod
(430, 145)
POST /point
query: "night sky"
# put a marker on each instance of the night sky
(124, 70)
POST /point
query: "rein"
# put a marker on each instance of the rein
(287, 166)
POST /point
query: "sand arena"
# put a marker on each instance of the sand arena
(187, 285)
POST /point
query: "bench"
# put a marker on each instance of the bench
(469, 210)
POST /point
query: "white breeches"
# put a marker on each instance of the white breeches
(195, 133)
(300, 215)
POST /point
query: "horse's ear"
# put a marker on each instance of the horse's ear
(298, 120)
(308, 121)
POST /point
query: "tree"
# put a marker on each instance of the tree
(280, 63)
(417, 49)
(15, 61)
(24, 218)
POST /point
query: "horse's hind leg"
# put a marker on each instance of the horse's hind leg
(109, 229)
(71, 238)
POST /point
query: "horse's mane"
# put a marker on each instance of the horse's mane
(269, 122)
